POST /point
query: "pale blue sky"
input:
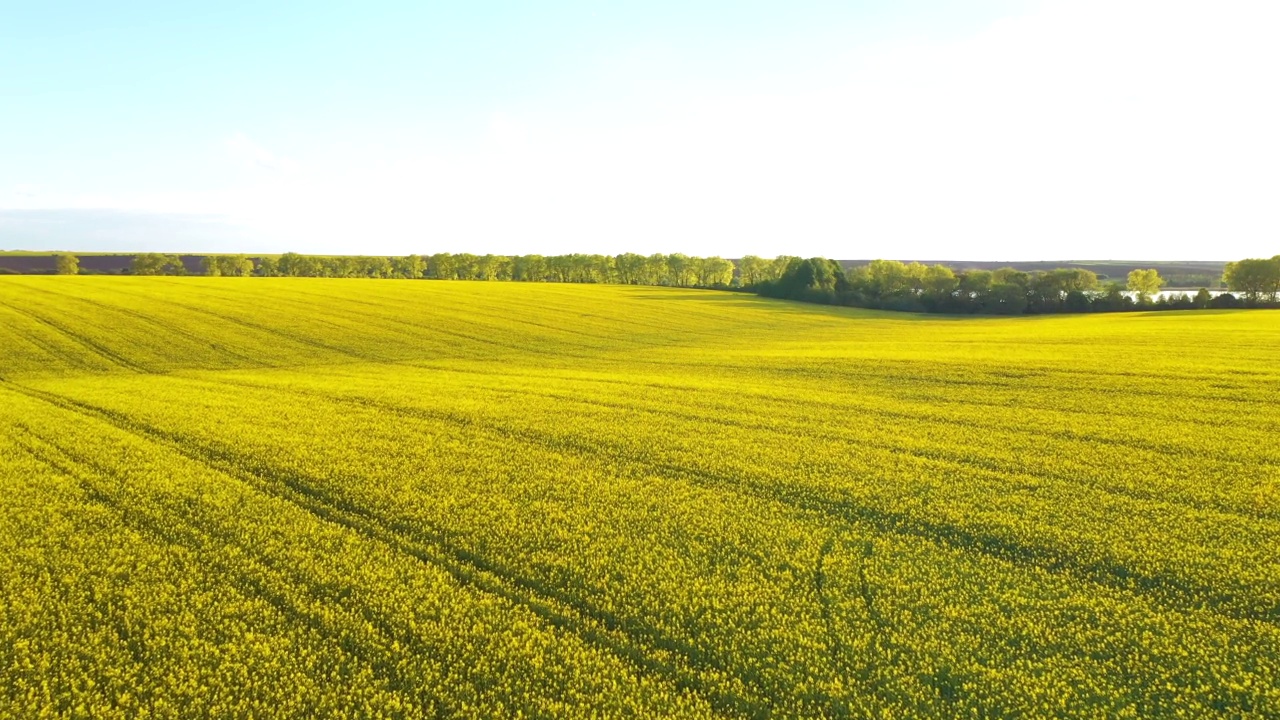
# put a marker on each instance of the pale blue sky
(996, 129)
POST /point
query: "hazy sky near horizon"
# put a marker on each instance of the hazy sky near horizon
(985, 130)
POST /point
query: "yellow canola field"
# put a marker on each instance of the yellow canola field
(252, 497)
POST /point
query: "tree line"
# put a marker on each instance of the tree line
(914, 287)
(880, 284)
(676, 269)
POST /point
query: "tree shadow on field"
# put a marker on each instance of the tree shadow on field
(723, 298)
(1185, 313)
(720, 298)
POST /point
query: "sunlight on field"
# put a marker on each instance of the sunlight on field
(251, 496)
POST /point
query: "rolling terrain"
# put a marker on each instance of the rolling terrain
(235, 497)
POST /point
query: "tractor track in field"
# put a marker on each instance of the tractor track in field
(942, 455)
(889, 414)
(403, 329)
(260, 579)
(151, 321)
(644, 649)
(42, 341)
(94, 347)
(298, 338)
(933, 455)
(1167, 589)
(946, 458)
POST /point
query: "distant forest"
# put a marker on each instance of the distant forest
(877, 284)
(1177, 274)
(916, 287)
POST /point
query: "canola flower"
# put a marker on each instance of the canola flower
(284, 497)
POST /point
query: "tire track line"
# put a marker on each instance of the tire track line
(1169, 590)
(174, 328)
(259, 577)
(97, 348)
(684, 667)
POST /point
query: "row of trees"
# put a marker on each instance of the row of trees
(893, 285)
(215, 265)
(229, 265)
(676, 269)
(157, 264)
(884, 284)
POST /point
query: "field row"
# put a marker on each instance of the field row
(873, 578)
(282, 497)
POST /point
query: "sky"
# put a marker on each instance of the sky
(913, 129)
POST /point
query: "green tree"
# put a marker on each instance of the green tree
(629, 268)
(1255, 278)
(1011, 276)
(292, 264)
(939, 281)
(237, 265)
(581, 268)
(1202, 299)
(655, 270)
(157, 264)
(680, 270)
(409, 266)
(287, 264)
(529, 268)
(1007, 298)
(976, 283)
(781, 265)
(504, 267)
(67, 264)
(1145, 283)
(1112, 299)
(1049, 290)
(714, 271)
(336, 267)
(488, 267)
(601, 269)
(973, 288)
(210, 266)
(815, 280)
(884, 279)
(466, 266)
(559, 268)
(374, 266)
(442, 266)
(1076, 302)
(752, 269)
(146, 264)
